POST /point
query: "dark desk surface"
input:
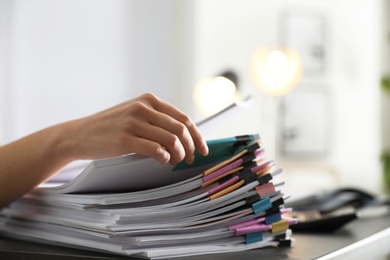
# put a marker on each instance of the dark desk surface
(358, 240)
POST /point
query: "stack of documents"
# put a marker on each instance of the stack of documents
(230, 200)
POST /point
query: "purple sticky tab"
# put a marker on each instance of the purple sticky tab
(246, 223)
(259, 153)
(252, 229)
(223, 170)
(261, 167)
(223, 185)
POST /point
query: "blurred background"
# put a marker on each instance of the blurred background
(317, 72)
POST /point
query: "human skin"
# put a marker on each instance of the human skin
(145, 125)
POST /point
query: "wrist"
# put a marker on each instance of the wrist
(62, 144)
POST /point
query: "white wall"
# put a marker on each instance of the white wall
(355, 78)
(228, 32)
(66, 59)
(4, 30)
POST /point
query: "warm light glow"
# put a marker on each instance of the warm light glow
(213, 94)
(277, 60)
(276, 71)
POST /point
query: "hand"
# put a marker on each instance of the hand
(145, 125)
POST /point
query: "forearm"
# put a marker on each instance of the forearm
(31, 160)
(145, 125)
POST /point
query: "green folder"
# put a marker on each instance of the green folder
(219, 150)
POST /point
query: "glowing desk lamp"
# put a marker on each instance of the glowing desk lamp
(275, 72)
(213, 94)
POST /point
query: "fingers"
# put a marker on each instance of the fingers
(168, 132)
(153, 149)
(145, 125)
(195, 135)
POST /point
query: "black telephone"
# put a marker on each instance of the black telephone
(331, 210)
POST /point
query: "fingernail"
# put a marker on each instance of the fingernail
(190, 160)
(206, 149)
(165, 156)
